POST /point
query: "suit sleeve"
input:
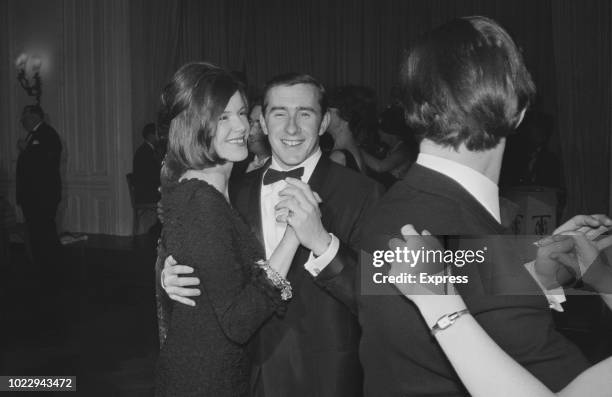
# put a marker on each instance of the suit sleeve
(240, 308)
(341, 276)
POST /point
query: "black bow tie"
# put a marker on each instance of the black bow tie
(272, 175)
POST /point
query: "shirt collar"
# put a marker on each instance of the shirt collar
(309, 165)
(484, 190)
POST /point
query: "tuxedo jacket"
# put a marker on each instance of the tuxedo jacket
(38, 169)
(146, 165)
(400, 357)
(313, 350)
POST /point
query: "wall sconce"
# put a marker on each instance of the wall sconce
(33, 63)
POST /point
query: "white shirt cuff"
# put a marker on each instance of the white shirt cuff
(316, 265)
(555, 296)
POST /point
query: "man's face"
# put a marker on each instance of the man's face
(257, 139)
(293, 123)
(29, 120)
(152, 138)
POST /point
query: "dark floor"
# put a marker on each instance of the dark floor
(94, 318)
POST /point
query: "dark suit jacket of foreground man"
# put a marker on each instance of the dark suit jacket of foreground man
(313, 350)
(400, 357)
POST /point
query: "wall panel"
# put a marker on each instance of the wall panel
(87, 96)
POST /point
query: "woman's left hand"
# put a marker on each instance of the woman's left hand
(433, 300)
(413, 241)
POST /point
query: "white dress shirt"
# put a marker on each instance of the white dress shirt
(273, 231)
(486, 192)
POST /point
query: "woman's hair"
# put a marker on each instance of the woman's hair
(357, 106)
(465, 82)
(191, 104)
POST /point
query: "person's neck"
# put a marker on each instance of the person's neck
(262, 155)
(217, 176)
(343, 139)
(487, 162)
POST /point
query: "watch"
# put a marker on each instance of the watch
(447, 320)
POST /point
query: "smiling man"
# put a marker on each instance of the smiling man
(313, 349)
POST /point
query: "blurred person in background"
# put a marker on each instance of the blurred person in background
(353, 116)
(257, 143)
(147, 165)
(403, 148)
(39, 187)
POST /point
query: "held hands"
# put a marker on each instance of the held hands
(587, 261)
(590, 225)
(175, 285)
(572, 252)
(299, 207)
(549, 271)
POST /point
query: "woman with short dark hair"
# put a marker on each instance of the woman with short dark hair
(204, 352)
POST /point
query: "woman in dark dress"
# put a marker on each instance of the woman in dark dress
(204, 351)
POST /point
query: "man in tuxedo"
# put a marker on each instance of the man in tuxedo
(39, 186)
(465, 89)
(147, 165)
(312, 350)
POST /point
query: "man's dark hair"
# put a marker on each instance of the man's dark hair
(465, 82)
(254, 101)
(148, 129)
(34, 109)
(291, 79)
(191, 105)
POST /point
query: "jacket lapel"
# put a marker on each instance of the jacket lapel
(319, 182)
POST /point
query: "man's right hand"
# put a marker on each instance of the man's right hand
(175, 285)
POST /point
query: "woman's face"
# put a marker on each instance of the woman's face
(230, 140)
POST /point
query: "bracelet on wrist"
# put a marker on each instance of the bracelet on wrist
(447, 320)
(277, 281)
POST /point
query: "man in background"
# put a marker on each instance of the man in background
(39, 185)
(257, 143)
(147, 165)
